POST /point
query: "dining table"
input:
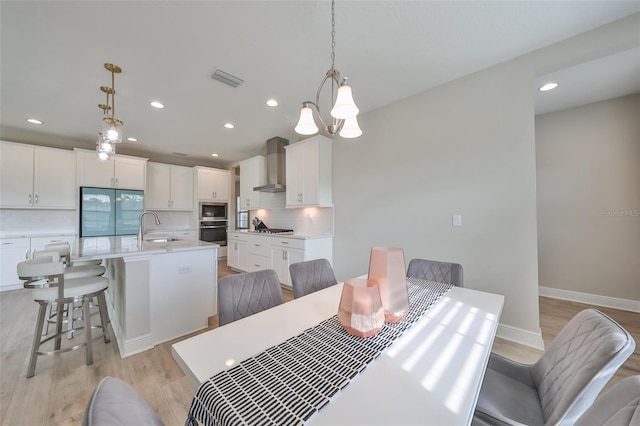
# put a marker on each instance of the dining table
(295, 363)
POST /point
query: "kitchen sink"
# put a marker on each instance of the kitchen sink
(160, 240)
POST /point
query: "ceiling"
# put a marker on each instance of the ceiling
(52, 56)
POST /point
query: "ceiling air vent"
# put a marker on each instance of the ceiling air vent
(226, 78)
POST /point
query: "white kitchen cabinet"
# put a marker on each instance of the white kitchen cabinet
(37, 177)
(259, 254)
(212, 184)
(283, 255)
(309, 181)
(12, 251)
(119, 171)
(169, 187)
(237, 251)
(253, 172)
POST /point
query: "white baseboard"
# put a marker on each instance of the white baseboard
(591, 299)
(523, 337)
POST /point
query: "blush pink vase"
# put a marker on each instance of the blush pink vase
(387, 269)
(360, 311)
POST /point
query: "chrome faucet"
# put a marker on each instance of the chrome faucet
(155, 215)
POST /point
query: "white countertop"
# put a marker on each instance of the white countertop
(23, 234)
(295, 235)
(109, 247)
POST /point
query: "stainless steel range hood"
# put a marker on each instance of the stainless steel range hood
(276, 166)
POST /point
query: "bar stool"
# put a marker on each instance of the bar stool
(46, 277)
(61, 251)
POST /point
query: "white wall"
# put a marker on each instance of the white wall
(466, 148)
(588, 162)
(463, 148)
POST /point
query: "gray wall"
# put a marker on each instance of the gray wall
(588, 162)
(466, 147)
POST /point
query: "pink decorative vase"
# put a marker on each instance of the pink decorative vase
(387, 269)
(360, 311)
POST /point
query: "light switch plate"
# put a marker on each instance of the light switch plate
(457, 220)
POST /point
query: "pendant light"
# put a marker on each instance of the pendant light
(344, 112)
(111, 126)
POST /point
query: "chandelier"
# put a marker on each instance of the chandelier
(344, 112)
(111, 127)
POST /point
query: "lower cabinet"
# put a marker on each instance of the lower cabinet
(258, 253)
(252, 252)
(15, 250)
(12, 251)
(237, 252)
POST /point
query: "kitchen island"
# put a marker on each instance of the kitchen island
(158, 290)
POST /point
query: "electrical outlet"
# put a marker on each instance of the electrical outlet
(184, 269)
(457, 220)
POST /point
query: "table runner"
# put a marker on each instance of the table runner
(288, 383)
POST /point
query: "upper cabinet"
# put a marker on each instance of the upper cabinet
(309, 181)
(169, 187)
(253, 172)
(119, 171)
(37, 177)
(212, 184)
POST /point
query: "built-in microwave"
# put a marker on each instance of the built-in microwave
(213, 211)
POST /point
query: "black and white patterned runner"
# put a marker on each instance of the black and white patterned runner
(288, 383)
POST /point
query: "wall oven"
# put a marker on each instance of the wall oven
(213, 223)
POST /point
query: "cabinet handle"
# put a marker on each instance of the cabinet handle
(284, 242)
(256, 265)
(116, 181)
(257, 245)
(26, 254)
(112, 182)
(7, 244)
(29, 198)
(36, 199)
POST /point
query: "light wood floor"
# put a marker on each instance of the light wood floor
(59, 391)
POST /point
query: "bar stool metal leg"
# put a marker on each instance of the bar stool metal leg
(36, 339)
(104, 315)
(87, 329)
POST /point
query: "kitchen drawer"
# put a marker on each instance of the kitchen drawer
(288, 242)
(259, 245)
(258, 263)
(236, 237)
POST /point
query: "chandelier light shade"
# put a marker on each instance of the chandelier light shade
(344, 112)
(104, 148)
(111, 126)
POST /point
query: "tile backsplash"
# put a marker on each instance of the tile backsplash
(35, 222)
(309, 220)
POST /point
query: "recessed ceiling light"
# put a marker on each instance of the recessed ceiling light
(214, 155)
(272, 102)
(156, 104)
(33, 121)
(547, 86)
(229, 125)
(132, 139)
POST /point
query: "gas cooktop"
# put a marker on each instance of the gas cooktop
(274, 231)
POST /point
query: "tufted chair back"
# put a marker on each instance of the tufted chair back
(311, 276)
(442, 272)
(577, 365)
(620, 405)
(246, 294)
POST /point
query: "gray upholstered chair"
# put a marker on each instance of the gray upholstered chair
(310, 276)
(115, 403)
(241, 295)
(442, 272)
(563, 383)
(620, 405)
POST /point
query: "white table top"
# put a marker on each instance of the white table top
(430, 375)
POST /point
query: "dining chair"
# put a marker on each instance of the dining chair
(563, 383)
(432, 270)
(241, 295)
(115, 403)
(620, 405)
(310, 276)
